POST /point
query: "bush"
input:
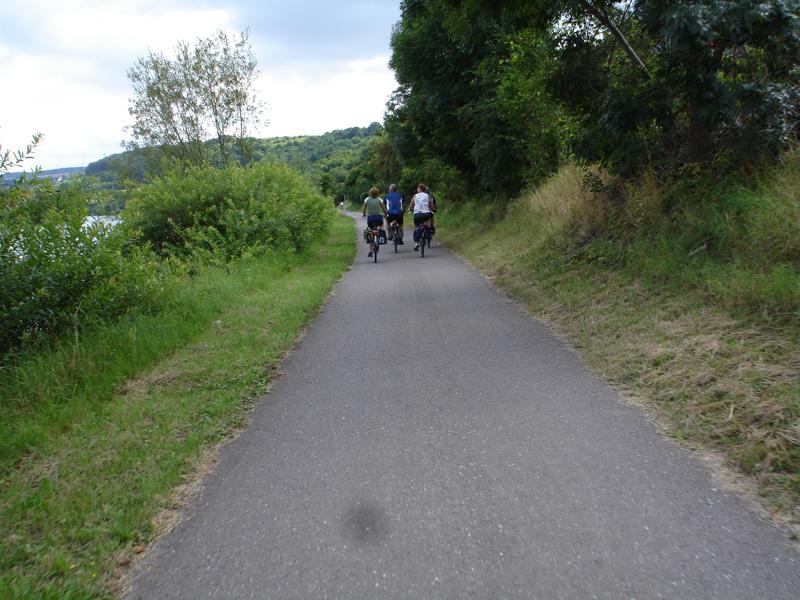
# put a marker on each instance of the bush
(59, 273)
(228, 213)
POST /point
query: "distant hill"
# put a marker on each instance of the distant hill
(327, 159)
(54, 174)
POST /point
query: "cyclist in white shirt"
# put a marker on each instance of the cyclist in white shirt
(422, 205)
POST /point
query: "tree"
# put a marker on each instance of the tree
(500, 90)
(208, 90)
(732, 66)
(168, 117)
(460, 100)
(224, 75)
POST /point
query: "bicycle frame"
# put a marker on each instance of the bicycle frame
(424, 238)
(395, 227)
(375, 244)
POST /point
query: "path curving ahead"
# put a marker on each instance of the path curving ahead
(430, 440)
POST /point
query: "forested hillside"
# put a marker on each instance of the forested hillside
(332, 160)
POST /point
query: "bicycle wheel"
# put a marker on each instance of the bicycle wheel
(375, 247)
(422, 243)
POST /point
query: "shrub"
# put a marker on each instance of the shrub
(227, 213)
(59, 273)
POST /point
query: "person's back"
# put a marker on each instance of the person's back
(394, 202)
(374, 211)
(422, 203)
(373, 205)
(395, 205)
(422, 206)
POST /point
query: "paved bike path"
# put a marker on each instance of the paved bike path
(430, 440)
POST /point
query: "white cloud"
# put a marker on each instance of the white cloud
(70, 83)
(63, 73)
(121, 28)
(312, 99)
(81, 121)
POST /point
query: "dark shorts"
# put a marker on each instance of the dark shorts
(374, 221)
(421, 217)
(398, 218)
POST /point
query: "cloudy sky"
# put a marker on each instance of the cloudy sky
(323, 65)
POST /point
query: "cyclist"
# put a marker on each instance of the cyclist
(395, 204)
(422, 205)
(374, 211)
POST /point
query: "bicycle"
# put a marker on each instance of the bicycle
(424, 238)
(375, 242)
(373, 239)
(396, 234)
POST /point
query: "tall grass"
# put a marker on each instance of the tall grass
(738, 244)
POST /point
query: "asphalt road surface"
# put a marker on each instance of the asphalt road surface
(430, 440)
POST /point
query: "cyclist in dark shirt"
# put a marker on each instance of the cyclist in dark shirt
(395, 203)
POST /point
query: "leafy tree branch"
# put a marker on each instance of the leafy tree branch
(12, 159)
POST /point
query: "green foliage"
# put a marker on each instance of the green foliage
(731, 68)
(536, 125)
(479, 105)
(58, 273)
(227, 213)
(128, 165)
(378, 165)
(102, 198)
(62, 272)
(505, 92)
(334, 160)
(721, 79)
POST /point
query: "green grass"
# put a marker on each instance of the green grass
(101, 435)
(711, 342)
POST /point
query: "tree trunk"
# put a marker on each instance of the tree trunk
(606, 21)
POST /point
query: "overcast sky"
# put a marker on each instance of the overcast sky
(323, 64)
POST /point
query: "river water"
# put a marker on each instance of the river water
(107, 219)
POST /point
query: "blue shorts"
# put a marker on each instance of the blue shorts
(374, 221)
